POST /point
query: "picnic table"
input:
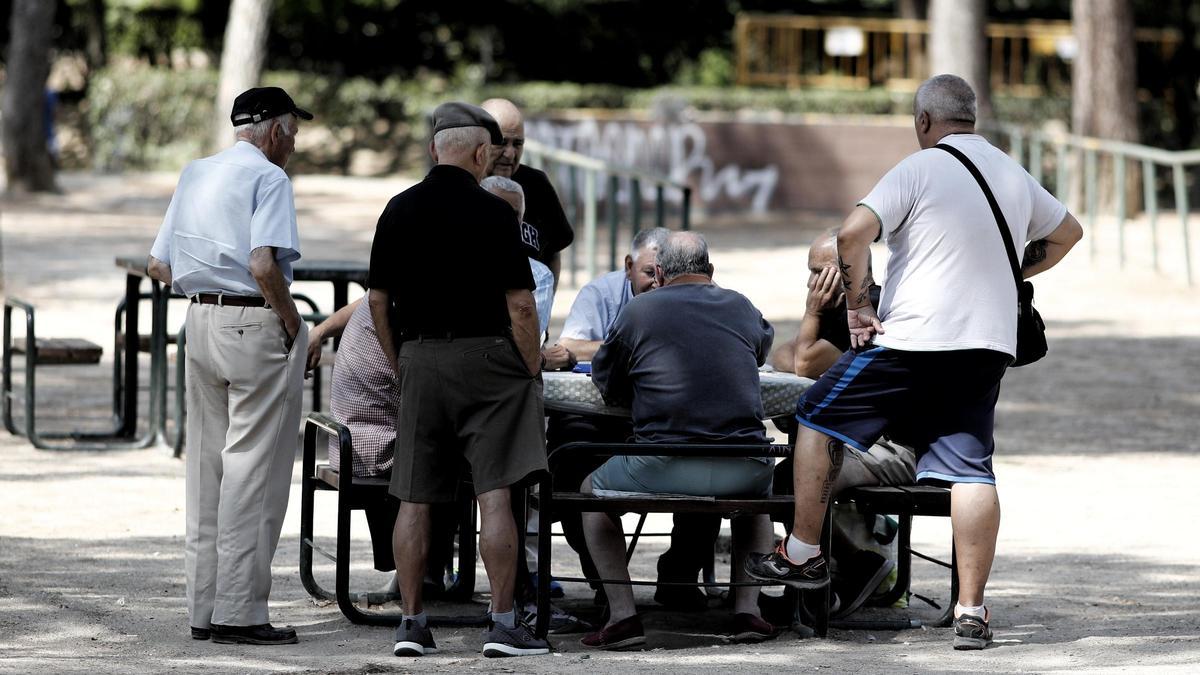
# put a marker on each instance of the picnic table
(569, 392)
(339, 273)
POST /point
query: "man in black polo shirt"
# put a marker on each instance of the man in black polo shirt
(467, 360)
(551, 232)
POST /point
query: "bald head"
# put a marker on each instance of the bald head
(823, 252)
(512, 125)
(683, 253)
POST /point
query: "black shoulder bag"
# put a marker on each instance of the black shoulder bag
(1031, 331)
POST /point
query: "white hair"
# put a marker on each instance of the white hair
(946, 98)
(256, 132)
(495, 184)
(652, 238)
(684, 253)
(457, 140)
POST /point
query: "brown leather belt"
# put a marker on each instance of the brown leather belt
(229, 300)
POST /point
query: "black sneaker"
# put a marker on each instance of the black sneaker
(413, 639)
(201, 633)
(500, 640)
(775, 566)
(262, 634)
(971, 632)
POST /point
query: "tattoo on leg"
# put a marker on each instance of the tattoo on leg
(836, 450)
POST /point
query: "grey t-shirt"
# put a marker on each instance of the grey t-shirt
(597, 306)
(686, 358)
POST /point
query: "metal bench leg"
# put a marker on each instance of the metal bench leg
(947, 617)
(307, 495)
(633, 541)
(545, 520)
(464, 582)
(822, 596)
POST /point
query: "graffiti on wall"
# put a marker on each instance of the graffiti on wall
(676, 150)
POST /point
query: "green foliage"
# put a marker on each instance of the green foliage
(713, 68)
(154, 118)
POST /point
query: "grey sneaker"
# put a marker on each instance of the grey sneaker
(971, 632)
(776, 566)
(500, 640)
(413, 639)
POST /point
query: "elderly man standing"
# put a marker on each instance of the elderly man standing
(550, 232)
(467, 359)
(944, 334)
(698, 385)
(228, 242)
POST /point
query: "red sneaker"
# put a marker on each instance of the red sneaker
(624, 634)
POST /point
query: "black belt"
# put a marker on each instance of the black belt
(229, 300)
(455, 334)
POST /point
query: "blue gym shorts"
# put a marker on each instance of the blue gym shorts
(942, 404)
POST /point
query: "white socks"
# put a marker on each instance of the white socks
(799, 551)
(979, 611)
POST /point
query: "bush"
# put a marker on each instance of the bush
(152, 118)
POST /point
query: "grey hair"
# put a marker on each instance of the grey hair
(457, 140)
(256, 132)
(505, 184)
(684, 253)
(652, 238)
(946, 98)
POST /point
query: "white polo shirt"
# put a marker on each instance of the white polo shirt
(949, 283)
(224, 207)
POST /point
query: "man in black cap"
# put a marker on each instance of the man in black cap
(228, 242)
(467, 358)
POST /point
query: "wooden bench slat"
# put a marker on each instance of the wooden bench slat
(63, 351)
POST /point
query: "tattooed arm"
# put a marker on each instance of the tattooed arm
(854, 261)
(1043, 254)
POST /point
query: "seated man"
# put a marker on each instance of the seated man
(823, 336)
(686, 358)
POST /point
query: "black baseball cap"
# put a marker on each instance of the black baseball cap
(454, 114)
(263, 103)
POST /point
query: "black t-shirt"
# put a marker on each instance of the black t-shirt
(834, 326)
(446, 251)
(551, 231)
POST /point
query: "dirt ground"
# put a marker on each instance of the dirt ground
(1098, 565)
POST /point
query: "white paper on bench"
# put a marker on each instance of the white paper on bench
(641, 495)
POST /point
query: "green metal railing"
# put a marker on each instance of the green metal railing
(1067, 152)
(587, 184)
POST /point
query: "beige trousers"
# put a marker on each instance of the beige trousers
(243, 402)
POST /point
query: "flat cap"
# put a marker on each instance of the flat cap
(455, 114)
(263, 103)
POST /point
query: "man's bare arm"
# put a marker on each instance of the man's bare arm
(332, 327)
(269, 278)
(854, 259)
(379, 302)
(158, 270)
(584, 350)
(1043, 254)
(523, 313)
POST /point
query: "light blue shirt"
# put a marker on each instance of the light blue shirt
(543, 293)
(224, 207)
(596, 307)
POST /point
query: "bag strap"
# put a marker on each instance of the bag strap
(1013, 261)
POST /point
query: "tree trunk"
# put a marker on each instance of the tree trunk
(1104, 83)
(27, 160)
(958, 46)
(242, 60)
(96, 49)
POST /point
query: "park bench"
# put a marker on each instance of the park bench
(354, 493)
(39, 352)
(903, 501)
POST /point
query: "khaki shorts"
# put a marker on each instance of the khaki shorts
(465, 401)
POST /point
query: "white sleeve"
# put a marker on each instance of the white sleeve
(274, 220)
(589, 318)
(162, 247)
(893, 197)
(1045, 212)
